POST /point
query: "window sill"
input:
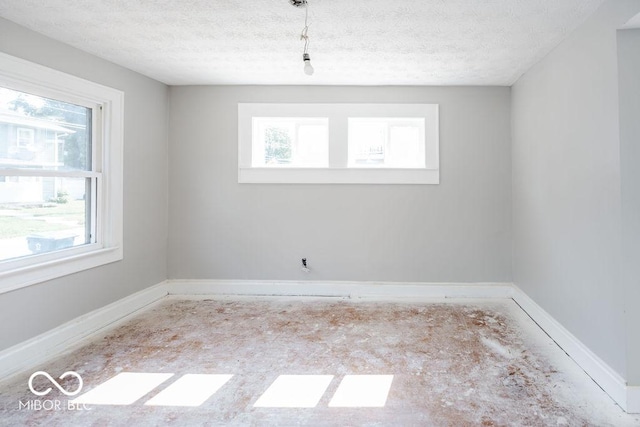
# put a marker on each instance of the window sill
(44, 271)
(287, 175)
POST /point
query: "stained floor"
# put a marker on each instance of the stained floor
(342, 362)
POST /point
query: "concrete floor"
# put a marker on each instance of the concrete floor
(250, 361)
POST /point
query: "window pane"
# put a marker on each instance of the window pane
(386, 142)
(42, 214)
(313, 147)
(278, 144)
(43, 133)
(290, 141)
(367, 143)
(405, 149)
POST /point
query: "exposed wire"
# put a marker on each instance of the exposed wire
(304, 36)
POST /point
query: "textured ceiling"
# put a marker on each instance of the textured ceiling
(368, 42)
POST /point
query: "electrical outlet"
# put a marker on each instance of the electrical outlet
(305, 267)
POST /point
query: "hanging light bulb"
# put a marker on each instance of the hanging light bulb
(308, 68)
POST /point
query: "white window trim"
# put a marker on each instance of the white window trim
(338, 171)
(26, 76)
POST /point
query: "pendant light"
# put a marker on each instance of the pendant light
(308, 68)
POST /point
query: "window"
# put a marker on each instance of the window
(25, 138)
(290, 141)
(386, 142)
(338, 143)
(60, 174)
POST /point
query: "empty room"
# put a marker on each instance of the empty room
(320, 212)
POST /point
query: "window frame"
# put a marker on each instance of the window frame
(106, 173)
(338, 171)
(32, 137)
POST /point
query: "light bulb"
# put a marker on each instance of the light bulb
(308, 68)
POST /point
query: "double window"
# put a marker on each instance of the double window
(338, 143)
(60, 174)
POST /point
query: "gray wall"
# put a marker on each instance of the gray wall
(566, 184)
(629, 73)
(30, 311)
(458, 231)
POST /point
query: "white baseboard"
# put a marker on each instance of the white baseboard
(609, 380)
(633, 400)
(41, 348)
(387, 290)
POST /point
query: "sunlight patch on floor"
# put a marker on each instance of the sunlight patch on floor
(295, 391)
(123, 389)
(362, 391)
(190, 390)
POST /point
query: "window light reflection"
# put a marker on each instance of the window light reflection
(294, 391)
(190, 390)
(123, 389)
(362, 391)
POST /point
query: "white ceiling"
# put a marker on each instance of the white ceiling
(364, 42)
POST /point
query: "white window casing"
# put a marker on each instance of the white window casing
(105, 174)
(339, 169)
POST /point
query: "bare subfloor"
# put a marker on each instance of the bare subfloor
(453, 363)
